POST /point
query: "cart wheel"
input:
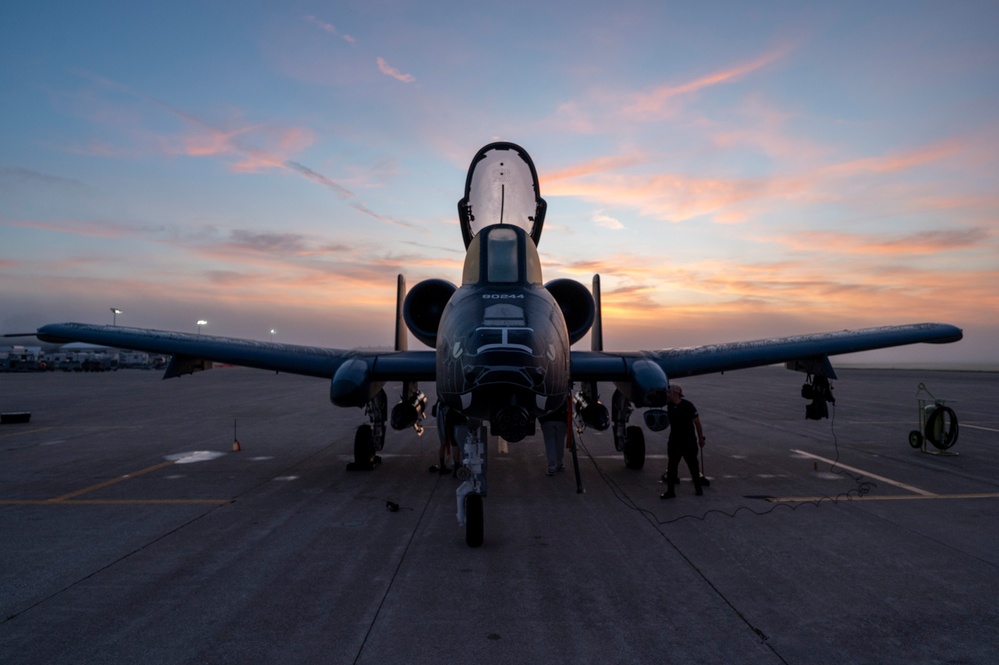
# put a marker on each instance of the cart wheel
(915, 438)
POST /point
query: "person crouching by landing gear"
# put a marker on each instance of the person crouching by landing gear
(685, 435)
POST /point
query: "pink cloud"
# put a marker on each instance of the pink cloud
(596, 166)
(899, 161)
(666, 196)
(820, 291)
(924, 242)
(251, 148)
(389, 70)
(656, 102)
(330, 28)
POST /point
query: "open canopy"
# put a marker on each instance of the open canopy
(501, 188)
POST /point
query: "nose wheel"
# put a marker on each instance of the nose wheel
(469, 495)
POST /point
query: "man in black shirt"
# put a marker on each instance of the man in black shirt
(685, 435)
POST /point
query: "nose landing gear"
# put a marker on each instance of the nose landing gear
(469, 495)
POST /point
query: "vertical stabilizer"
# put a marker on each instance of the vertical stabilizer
(401, 334)
(597, 331)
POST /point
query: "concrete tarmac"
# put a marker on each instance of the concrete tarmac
(131, 532)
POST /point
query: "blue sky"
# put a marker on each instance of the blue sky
(732, 170)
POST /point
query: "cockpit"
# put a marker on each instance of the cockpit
(501, 188)
(502, 256)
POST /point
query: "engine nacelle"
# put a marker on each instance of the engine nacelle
(423, 307)
(576, 303)
(352, 384)
(647, 384)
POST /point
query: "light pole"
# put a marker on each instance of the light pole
(201, 322)
(272, 334)
(114, 314)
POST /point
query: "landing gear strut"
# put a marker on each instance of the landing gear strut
(627, 439)
(469, 495)
(370, 437)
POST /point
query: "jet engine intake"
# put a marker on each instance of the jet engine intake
(576, 303)
(423, 307)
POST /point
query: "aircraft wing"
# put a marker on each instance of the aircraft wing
(805, 352)
(195, 352)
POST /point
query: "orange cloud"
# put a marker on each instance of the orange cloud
(666, 196)
(882, 245)
(900, 161)
(642, 292)
(596, 166)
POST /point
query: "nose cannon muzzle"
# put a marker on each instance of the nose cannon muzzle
(512, 423)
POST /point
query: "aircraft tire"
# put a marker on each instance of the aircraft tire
(474, 528)
(634, 448)
(364, 448)
(915, 438)
(941, 428)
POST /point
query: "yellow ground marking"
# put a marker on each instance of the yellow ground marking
(33, 430)
(866, 474)
(70, 499)
(898, 497)
(113, 481)
(116, 502)
(917, 492)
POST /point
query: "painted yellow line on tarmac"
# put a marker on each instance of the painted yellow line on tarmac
(71, 500)
(866, 474)
(896, 497)
(113, 481)
(115, 502)
(21, 432)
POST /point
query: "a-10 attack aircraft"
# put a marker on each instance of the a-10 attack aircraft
(502, 342)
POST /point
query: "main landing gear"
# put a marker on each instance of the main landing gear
(629, 440)
(473, 471)
(370, 437)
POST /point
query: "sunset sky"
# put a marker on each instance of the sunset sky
(731, 170)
